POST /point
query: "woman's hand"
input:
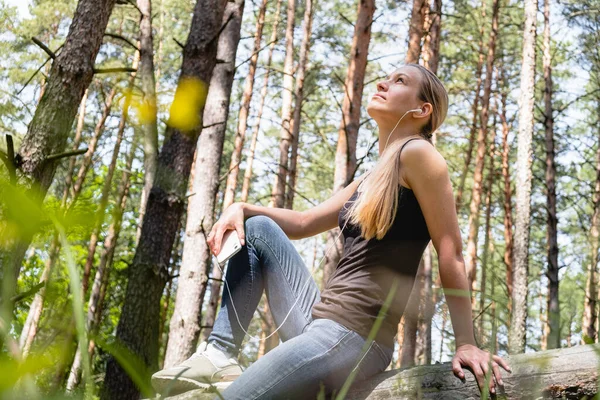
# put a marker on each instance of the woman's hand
(478, 360)
(232, 218)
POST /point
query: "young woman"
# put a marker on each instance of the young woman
(405, 201)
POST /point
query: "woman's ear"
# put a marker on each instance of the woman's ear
(426, 110)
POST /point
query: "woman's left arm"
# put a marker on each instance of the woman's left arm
(425, 170)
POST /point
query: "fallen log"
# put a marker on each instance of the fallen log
(570, 373)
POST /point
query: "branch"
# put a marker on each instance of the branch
(346, 19)
(179, 43)
(43, 47)
(252, 55)
(10, 159)
(111, 70)
(28, 293)
(123, 38)
(66, 154)
(38, 70)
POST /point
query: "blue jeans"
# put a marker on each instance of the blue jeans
(313, 352)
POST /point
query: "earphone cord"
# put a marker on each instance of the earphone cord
(310, 276)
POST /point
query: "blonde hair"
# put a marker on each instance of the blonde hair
(374, 211)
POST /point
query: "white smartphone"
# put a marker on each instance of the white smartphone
(230, 246)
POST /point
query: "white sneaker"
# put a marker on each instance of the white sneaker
(208, 366)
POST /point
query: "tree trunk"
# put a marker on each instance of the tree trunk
(216, 274)
(101, 278)
(263, 96)
(184, 327)
(431, 45)
(590, 313)
(236, 156)
(87, 157)
(174, 270)
(516, 334)
(138, 325)
(553, 311)
(85, 281)
(507, 200)
(47, 134)
(411, 315)
(345, 157)
(426, 313)
(562, 373)
(415, 31)
(148, 105)
(475, 108)
(471, 257)
(37, 304)
(479, 324)
(278, 192)
(29, 330)
(299, 95)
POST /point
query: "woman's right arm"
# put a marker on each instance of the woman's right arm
(295, 224)
(303, 224)
(288, 220)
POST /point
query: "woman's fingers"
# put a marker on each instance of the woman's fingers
(239, 228)
(479, 376)
(486, 376)
(502, 362)
(457, 369)
(210, 239)
(497, 373)
(491, 382)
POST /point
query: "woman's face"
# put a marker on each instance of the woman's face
(395, 96)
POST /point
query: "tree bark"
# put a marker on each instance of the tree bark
(278, 192)
(553, 310)
(471, 256)
(138, 324)
(415, 31)
(426, 312)
(263, 96)
(184, 326)
(87, 157)
(553, 374)
(87, 270)
(411, 316)
(516, 334)
(236, 155)
(299, 95)
(487, 244)
(475, 108)
(102, 273)
(29, 330)
(507, 199)
(149, 106)
(431, 45)
(590, 313)
(345, 157)
(47, 134)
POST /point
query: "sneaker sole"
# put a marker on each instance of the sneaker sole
(184, 384)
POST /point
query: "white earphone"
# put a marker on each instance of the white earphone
(310, 276)
(390, 135)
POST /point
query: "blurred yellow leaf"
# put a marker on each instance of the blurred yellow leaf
(146, 112)
(190, 97)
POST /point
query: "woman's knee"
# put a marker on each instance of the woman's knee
(260, 226)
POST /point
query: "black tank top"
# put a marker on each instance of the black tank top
(356, 291)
